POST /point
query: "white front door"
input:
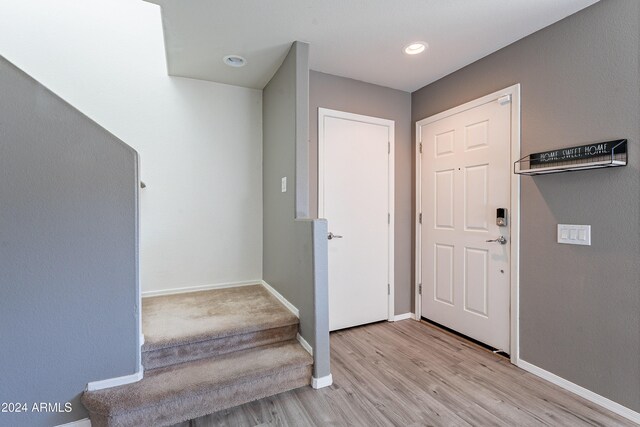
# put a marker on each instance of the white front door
(465, 178)
(355, 195)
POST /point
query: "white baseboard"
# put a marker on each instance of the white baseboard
(292, 308)
(321, 382)
(114, 382)
(304, 344)
(581, 391)
(404, 316)
(187, 289)
(85, 422)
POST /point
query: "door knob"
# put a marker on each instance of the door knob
(333, 236)
(500, 240)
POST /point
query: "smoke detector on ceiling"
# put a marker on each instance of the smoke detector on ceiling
(234, 61)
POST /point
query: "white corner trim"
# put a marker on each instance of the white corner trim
(404, 316)
(114, 382)
(141, 339)
(85, 422)
(321, 382)
(292, 308)
(187, 289)
(581, 391)
(304, 344)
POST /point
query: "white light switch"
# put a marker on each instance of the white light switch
(284, 184)
(571, 234)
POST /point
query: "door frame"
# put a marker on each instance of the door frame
(326, 113)
(514, 92)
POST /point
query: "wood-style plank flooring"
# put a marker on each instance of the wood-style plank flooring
(410, 373)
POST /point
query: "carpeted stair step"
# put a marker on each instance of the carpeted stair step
(178, 393)
(185, 327)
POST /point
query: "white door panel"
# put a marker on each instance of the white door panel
(354, 197)
(465, 169)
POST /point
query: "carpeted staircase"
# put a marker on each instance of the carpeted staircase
(204, 352)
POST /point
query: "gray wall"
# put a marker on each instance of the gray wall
(339, 93)
(579, 306)
(294, 250)
(68, 252)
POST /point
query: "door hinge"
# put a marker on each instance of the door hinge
(420, 218)
(420, 289)
(389, 147)
(421, 148)
(388, 289)
(504, 99)
(388, 218)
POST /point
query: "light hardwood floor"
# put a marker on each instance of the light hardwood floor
(410, 373)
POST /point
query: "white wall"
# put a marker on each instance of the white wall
(200, 143)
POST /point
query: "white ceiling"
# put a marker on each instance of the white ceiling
(359, 39)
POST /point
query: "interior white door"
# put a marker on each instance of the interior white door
(465, 168)
(355, 197)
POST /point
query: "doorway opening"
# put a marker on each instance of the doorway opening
(467, 219)
(356, 196)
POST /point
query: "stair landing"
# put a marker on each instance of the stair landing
(195, 316)
(184, 327)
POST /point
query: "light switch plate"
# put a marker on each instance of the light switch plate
(571, 234)
(284, 184)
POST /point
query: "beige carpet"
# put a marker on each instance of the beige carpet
(178, 393)
(198, 316)
(204, 352)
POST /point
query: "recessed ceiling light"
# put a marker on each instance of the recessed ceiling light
(234, 61)
(415, 48)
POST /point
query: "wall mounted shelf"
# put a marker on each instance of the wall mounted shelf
(583, 157)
